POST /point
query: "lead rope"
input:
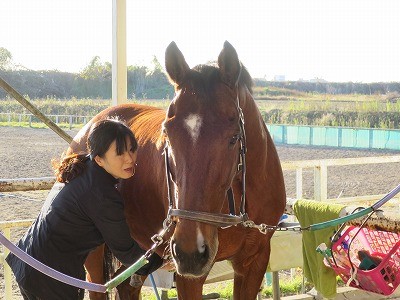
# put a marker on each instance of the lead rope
(157, 239)
(263, 228)
(34, 263)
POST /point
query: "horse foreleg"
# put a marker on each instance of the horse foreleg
(126, 292)
(95, 271)
(129, 289)
(189, 288)
(249, 273)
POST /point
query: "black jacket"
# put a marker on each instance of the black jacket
(84, 214)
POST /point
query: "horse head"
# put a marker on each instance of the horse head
(203, 135)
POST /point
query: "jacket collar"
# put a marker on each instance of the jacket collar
(99, 171)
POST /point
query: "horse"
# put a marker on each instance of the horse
(209, 166)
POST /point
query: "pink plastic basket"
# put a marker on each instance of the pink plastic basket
(385, 277)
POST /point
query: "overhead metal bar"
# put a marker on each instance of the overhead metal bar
(29, 106)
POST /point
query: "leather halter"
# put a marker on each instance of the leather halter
(216, 219)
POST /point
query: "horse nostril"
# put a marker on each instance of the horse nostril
(205, 251)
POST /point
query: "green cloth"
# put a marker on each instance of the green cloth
(312, 212)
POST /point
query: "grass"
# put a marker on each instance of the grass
(38, 125)
(328, 105)
(288, 286)
(275, 93)
(277, 106)
(74, 106)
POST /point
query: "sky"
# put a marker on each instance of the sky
(335, 40)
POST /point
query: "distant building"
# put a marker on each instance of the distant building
(313, 80)
(316, 79)
(279, 78)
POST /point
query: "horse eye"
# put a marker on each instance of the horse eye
(234, 139)
(164, 131)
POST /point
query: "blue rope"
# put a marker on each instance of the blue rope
(153, 283)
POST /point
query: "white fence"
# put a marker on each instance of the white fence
(321, 174)
(30, 118)
(320, 168)
(6, 228)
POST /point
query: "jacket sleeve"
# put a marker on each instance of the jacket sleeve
(109, 218)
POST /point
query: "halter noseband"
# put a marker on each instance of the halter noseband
(216, 219)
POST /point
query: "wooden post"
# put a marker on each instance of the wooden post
(321, 182)
(299, 183)
(7, 269)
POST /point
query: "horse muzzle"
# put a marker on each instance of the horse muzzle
(193, 248)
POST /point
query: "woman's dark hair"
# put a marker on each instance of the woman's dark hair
(101, 135)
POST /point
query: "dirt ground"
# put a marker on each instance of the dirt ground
(26, 153)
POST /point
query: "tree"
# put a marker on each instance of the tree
(5, 59)
(96, 69)
(156, 66)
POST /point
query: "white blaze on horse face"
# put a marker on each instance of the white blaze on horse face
(193, 124)
(200, 241)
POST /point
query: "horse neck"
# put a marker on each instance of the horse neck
(257, 136)
(254, 124)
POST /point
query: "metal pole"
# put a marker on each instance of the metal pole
(35, 111)
(275, 286)
(119, 69)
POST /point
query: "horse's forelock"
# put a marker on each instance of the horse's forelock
(210, 74)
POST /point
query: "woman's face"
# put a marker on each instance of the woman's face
(120, 166)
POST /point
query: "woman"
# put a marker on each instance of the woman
(86, 212)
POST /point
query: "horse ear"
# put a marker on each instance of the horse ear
(175, 64)
(229, 65)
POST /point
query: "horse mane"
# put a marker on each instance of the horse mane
(210, 72)
(145, 124)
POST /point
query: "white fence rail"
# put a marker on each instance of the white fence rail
(30, 118)
(320, 168)
(321, 174)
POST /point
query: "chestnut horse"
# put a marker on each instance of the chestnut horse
(217, 151)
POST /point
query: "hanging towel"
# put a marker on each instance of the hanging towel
(312, 212)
